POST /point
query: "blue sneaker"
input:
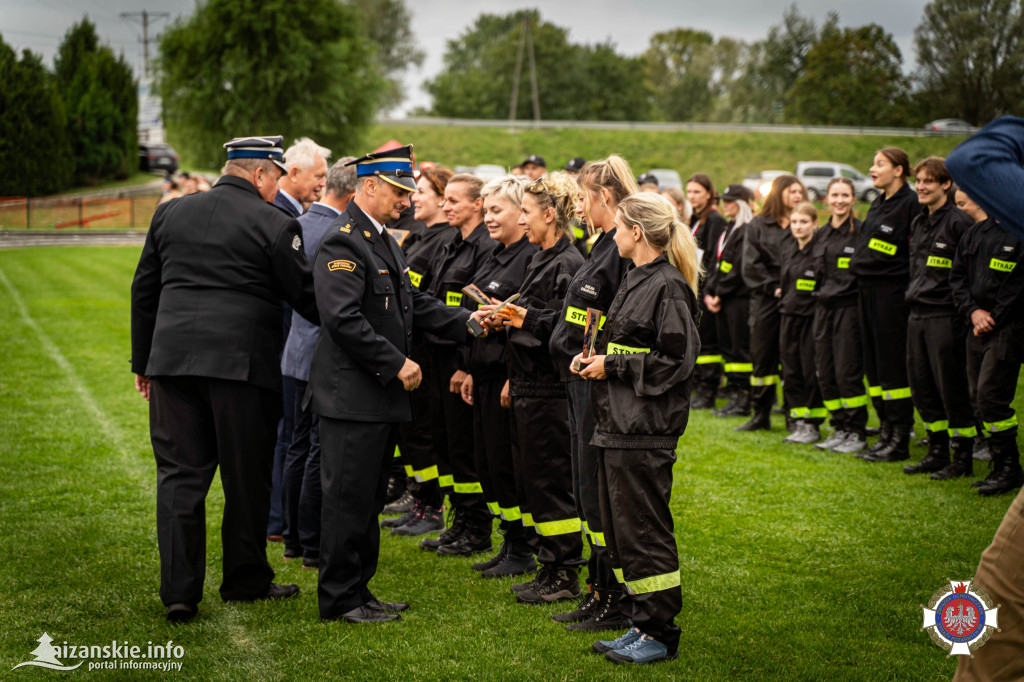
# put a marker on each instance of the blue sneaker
(642, 649)
(605, 645)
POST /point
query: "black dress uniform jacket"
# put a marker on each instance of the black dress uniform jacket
(206, 298)
(882, 242)
(651, 347)
(500, 276)
(533, 369)
(725, 272)
(762, 254)
(454, 268)
(798, 280)
(933, 241)
(594, 286)
(987, 273)
(833, 249)
(369, 308)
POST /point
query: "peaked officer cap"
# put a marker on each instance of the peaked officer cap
(393, 166)
(266, 147)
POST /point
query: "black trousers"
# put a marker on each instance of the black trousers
(708, 372)
(993, 365)
(301, 486)
(883, 328)
(451, 421)
(285, 431)
(937, 370)
(764, 350)
(415, 438)
(733, 325)
(197, 424)
(839, 358)
(543, 469)
(635, 488)
(584, 483)
(799, 373)
(355, 457)
(492, 439)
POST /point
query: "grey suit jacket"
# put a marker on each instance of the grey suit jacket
(298, 349)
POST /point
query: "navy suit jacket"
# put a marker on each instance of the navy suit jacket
(298, 350)
(281, 201)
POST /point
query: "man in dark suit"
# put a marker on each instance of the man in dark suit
(305, 172)
(206, 342)
(361, 375)
(301, 479)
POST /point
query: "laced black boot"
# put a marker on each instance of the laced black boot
(937, 457)
(963, 461)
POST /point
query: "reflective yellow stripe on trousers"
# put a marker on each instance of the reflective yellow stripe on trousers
(549, 528)
(645, 585)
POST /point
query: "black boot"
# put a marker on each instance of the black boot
(582, 612)
(609, 614)
(475, 539)
(1011, 476)
(937, 457)
(703, 398)
(761, 421)
(493, 561)
(995, 468)
(884, 436)
(518, 560)
(898, 448)
(456, 527)
(963, 461)
(739, 406)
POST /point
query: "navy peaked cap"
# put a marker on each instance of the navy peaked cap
(393, 166)
(260, 147)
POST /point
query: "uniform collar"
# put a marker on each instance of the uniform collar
(504, 254)
(637, 275)
(324, 209)
(238, 182)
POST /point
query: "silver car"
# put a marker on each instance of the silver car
(817, 174)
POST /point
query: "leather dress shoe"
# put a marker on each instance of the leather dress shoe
(275, 591)
(181, 612)
(386, 606)
(364, 614)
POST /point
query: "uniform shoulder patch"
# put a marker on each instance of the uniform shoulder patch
(345, 265)
(296, 243)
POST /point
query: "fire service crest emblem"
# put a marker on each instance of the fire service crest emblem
(960, 618)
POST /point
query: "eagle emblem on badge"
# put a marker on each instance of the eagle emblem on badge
(296, 242)
(960, 617)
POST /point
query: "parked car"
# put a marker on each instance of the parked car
(667, 178)
(157, 156)
(817, 174)
(950, 125)
(489, 171)
(761, 183)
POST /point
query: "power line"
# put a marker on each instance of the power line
(143, 18)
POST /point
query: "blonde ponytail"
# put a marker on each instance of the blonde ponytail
(657, 219)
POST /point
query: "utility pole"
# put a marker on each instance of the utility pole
(144, 18)
(525, 39)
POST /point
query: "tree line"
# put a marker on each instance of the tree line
(72, 125)
(970, 52)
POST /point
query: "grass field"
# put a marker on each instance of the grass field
(725, 157)
(796, 564)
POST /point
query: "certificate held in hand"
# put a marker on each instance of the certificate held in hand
(590, 329)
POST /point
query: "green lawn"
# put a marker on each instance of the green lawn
(796, 564)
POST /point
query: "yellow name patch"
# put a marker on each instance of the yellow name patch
(618, 349)
(725, 266)
(415, 278)
(453, 298)
(939, 262)
(1002, 265)
(843, 263)
(346, 265)
(882, 247)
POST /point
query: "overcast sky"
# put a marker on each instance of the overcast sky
(629, 24)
